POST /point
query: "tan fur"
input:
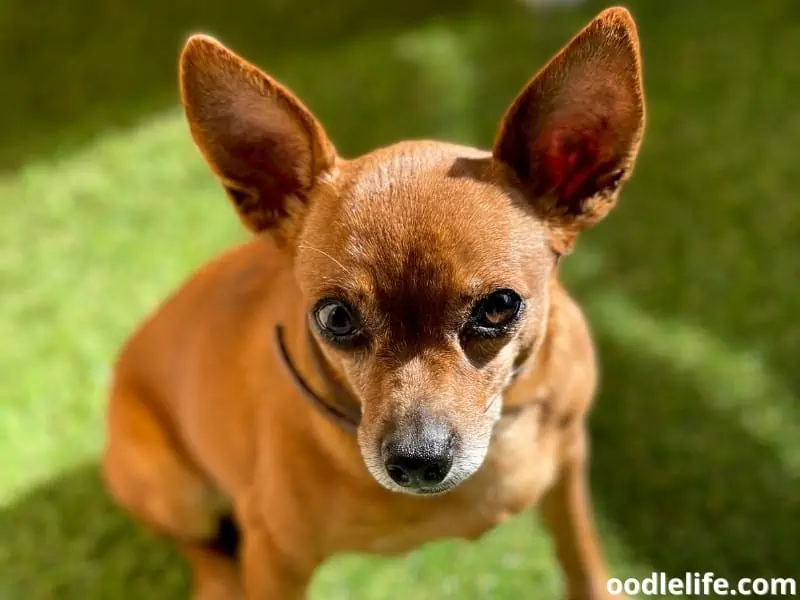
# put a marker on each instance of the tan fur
(204, 418)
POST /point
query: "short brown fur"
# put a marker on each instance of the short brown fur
(206, 420)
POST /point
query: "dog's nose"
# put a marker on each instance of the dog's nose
(421, 456)
(418, 471)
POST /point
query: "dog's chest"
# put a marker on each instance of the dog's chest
(521, 464)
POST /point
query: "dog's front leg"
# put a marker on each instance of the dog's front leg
(567, 513)
(268, 573)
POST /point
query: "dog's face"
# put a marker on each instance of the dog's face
(426, 267)
(426, 282)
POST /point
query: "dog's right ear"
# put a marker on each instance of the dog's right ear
(265, 146)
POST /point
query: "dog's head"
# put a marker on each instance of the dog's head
(425, 267)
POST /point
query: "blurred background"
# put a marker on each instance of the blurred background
(691, 285)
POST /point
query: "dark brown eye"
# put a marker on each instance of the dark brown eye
(336, 320)
(497, 311)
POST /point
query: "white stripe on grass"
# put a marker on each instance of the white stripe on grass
(90, 242)
(735, 381)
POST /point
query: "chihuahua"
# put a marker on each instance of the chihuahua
(391, 358)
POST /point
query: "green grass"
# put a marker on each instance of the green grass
(106, 206)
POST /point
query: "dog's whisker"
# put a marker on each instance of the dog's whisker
(340, 265)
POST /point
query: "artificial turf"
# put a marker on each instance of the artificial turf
(691, 286)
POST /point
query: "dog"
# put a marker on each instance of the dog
(391, 359)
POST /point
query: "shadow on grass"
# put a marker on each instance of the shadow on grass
(688, 489)
(78, 68)
(65, 540)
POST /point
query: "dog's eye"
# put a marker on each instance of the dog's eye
(497, 311)
(336, 320)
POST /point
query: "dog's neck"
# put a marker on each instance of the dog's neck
(320, 387)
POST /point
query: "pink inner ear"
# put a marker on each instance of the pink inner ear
(575, 161)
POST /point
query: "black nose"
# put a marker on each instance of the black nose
(419, 456)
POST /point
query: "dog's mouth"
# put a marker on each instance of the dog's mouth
(434, 491)
(421, 490)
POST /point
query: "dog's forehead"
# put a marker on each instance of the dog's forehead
(408, 165)
(422, 222)
(431, 200)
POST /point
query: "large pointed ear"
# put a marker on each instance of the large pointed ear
(572, 135)
(265, 146)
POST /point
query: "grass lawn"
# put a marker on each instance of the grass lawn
(105, 206)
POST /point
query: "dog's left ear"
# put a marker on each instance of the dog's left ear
(572, 135)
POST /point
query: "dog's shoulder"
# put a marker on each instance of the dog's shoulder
(209, 313)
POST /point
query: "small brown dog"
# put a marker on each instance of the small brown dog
(391, 360)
